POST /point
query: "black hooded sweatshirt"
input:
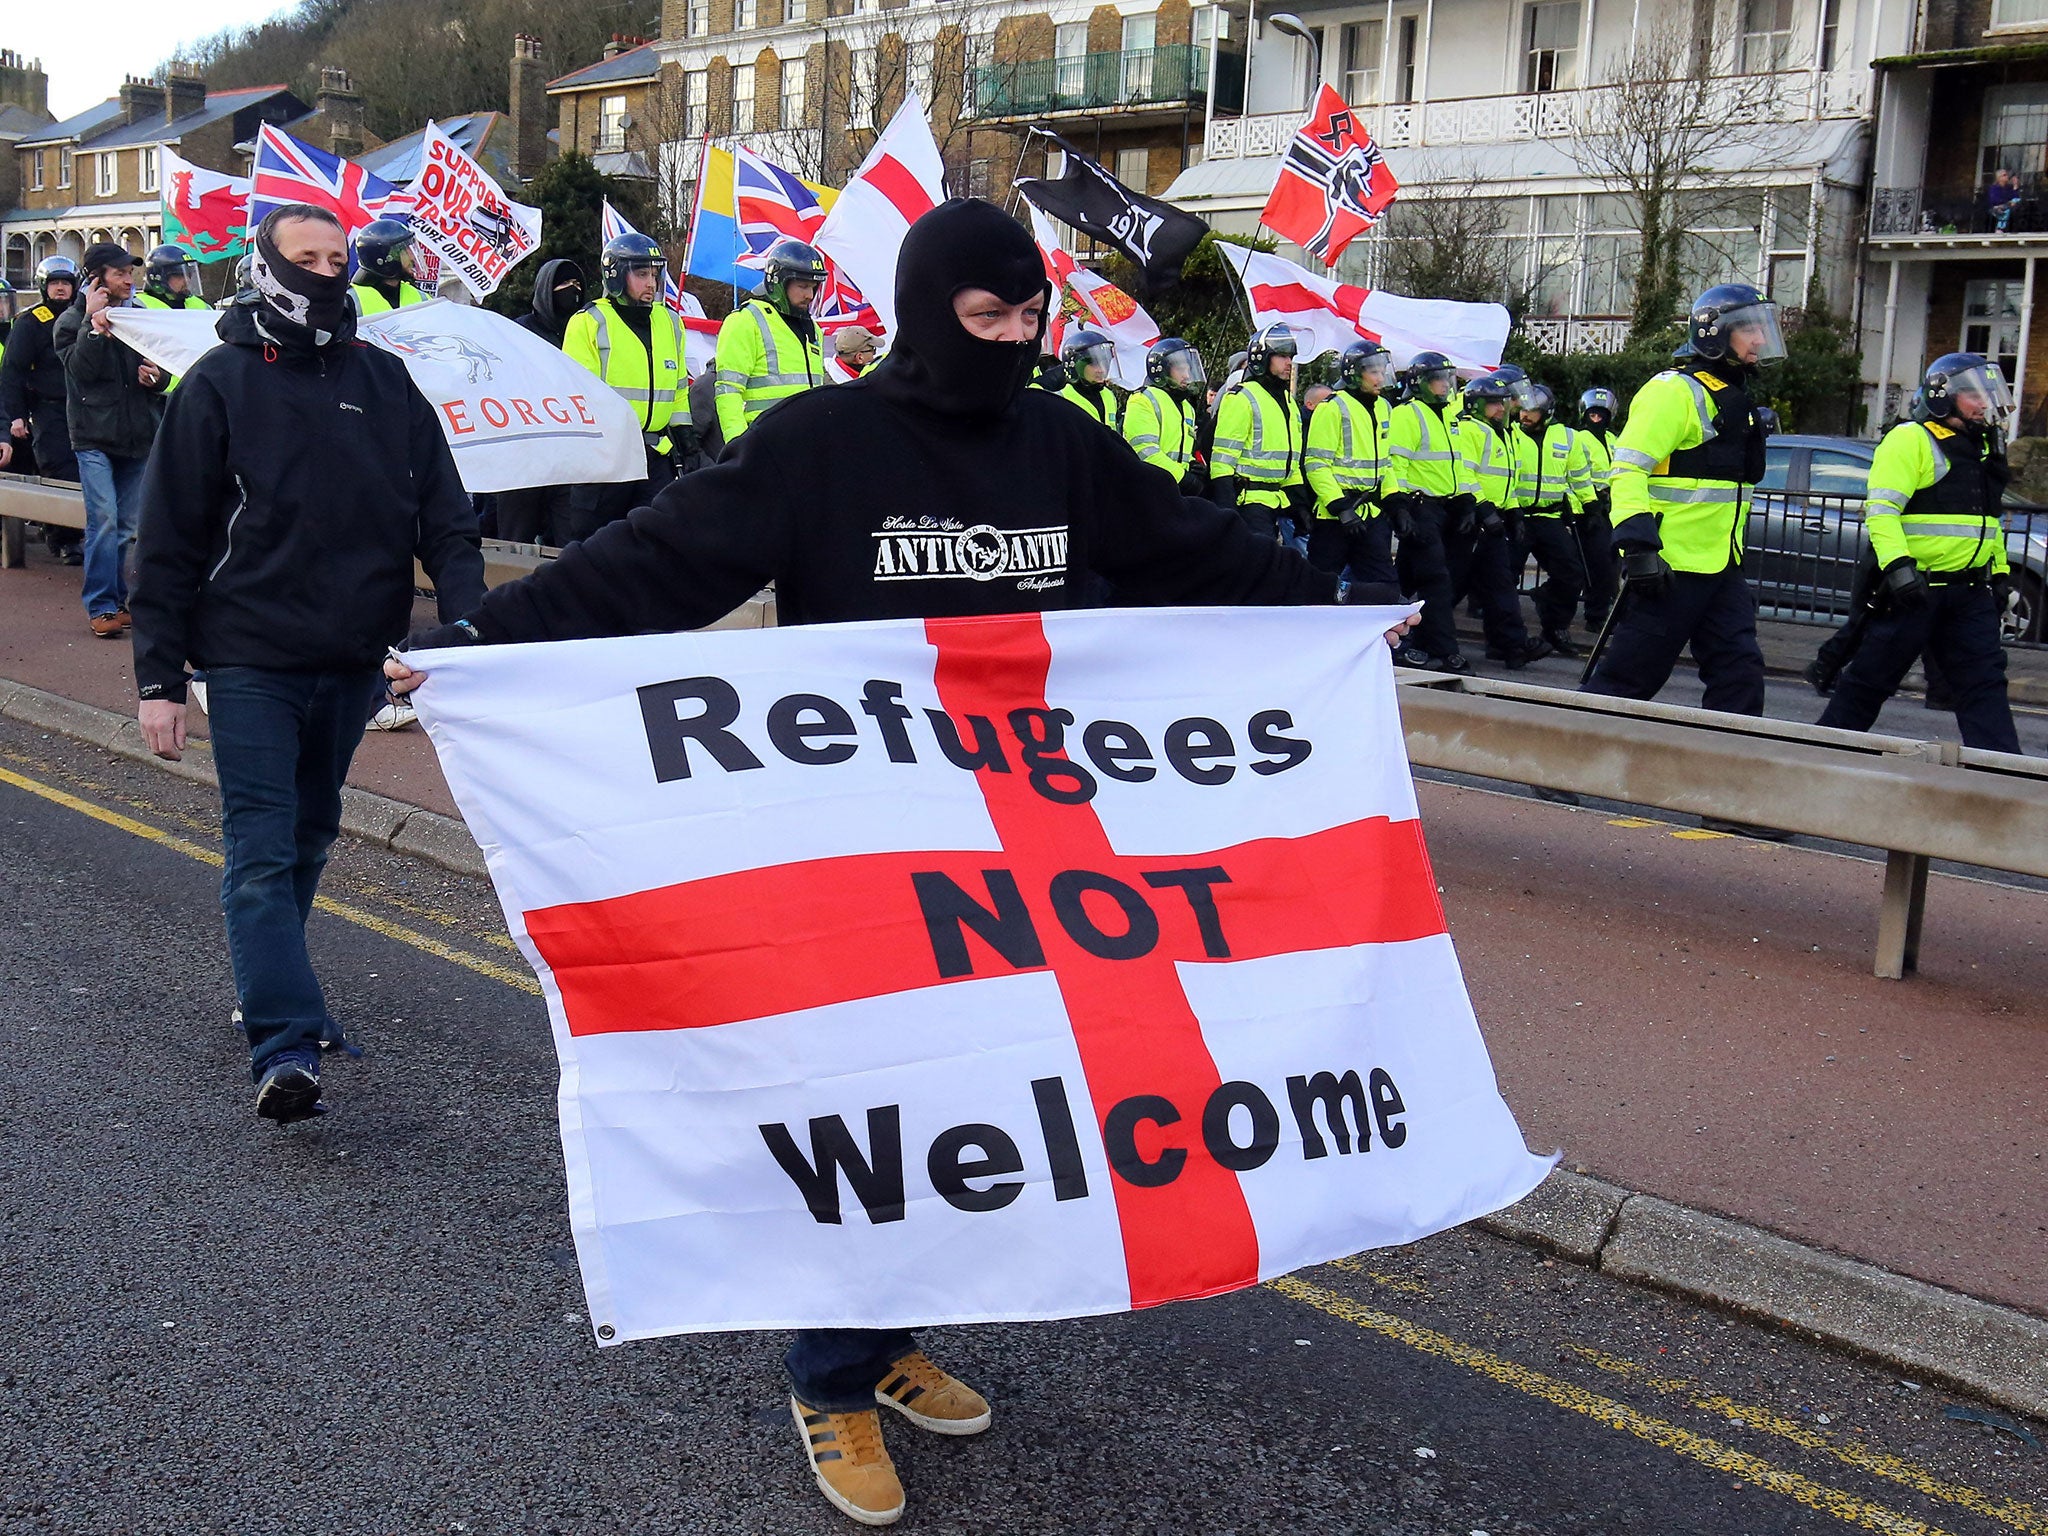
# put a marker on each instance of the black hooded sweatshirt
(954, 491)
(289, 492)
(543, 319)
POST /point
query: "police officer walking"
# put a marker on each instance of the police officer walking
(1087, 357)
(1424, 470)
(1348, 469)
(1681, 467)
(632, 341)
(1160, 420)
(1255, 465)
(1932, 513)
(1479, 536)
(384, 268)
(32, 394)
(170, 280)
(1597, 410)
(1553, 480)
(768, 347)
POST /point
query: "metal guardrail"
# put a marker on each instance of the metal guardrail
(1916, 800)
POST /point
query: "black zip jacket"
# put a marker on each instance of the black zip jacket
(288, 495)
(106, 403)
(31, 373)
(860, 505)
(542, 319)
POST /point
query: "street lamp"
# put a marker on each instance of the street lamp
(1290, 25)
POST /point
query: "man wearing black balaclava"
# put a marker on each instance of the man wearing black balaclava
(949, 435)
(297, 475)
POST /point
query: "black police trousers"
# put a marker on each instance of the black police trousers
(1366, 547)
(1483, 568)
(1958, 629)
(592, 506)
(1424, 572)
(1835, 651)
(1715, 615)
(1603, 565)
(1556, 548)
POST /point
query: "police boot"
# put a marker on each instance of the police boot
(1560, 644)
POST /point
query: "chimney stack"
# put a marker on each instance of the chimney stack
(530, 109)
(142, 101)
(23, 84)
(184, 91)
(342, 110)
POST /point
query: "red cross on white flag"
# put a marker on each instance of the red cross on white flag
(976, 969)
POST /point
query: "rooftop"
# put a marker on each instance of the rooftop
(477, 134)
(219, 104)
(634, 64)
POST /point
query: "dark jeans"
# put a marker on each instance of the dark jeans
(281, 744)
(1262, 520)
(50, 431)
(1483, 565)
(1366, 548)
(1715, 614)
(1603, 567)
(592, 506)
(1426, 573)
(1958, 629)
(1556, 548)
(836, 1370)
(537, 514)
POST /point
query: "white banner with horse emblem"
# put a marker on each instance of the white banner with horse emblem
(515, 410)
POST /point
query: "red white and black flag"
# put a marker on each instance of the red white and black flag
(1334, 182)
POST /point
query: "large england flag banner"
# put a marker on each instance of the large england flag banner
(976, 969)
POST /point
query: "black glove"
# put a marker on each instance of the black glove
(1645, 570)
(1346, 509)
(1904, 587)
(688, 445)
(1224, 491)
(1491, 521)
(1401, 508)
(1301, 504)
(1195, 482)
(1460, 514)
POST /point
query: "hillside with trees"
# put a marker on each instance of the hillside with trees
(415, 59)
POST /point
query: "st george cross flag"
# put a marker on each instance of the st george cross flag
(287, 171)
(772, 204)
(1155, 235)
(976, 969)
(464, 217)
(1090, 301)
(1334, 182)
(1332, 315)
(902, 179)
(204, 211)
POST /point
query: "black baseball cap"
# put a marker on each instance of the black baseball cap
(105, 254)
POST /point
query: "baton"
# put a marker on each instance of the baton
(1607, 629)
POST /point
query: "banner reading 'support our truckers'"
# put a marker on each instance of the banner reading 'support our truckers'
(977, 969)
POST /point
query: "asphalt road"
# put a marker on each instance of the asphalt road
(372, 1323)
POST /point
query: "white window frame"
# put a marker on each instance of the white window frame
(697, 18)
(1361, 45)
(793, 85)
(743, 115)
(1562, 59)
(145, 168)
(106, 174)
(1133, 167)
(36, 167)
(746, 15)
(2018, 15)
(1767, 50)
(2004, 326)
(611, 122)
(66, 159)
(696, 102)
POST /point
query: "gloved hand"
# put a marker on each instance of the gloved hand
(1645, 570)
(1301, 504)
(688, 444)
(1195, 482)
(1401, 508)
(1462, 513)
(2004, 596)
(1224, 491)
(1491, 521)
(1904, 586)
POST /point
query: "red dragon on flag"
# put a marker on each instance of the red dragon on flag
(1334, 182)
(204, 211)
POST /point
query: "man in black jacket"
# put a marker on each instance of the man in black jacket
(113, 398)
(297, 475)
(957, 453)
(538, 514)
(32, 393)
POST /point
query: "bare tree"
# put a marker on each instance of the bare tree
(1459, 241)
(1667, 135)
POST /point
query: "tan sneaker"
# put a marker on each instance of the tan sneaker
(106, 625)
(851, 1463)
(931, 1399)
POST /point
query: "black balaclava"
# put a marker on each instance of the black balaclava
(300, 309)
(936, 363)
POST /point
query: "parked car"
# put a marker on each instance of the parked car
(1806, 535)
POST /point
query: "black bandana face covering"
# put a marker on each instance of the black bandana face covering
(936, 362)
(300, 307)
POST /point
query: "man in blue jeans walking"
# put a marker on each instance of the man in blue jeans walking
(297, 476)
(113, 400)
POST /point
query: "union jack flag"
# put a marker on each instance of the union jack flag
(771, 203)
(287, 171)
(611, 226)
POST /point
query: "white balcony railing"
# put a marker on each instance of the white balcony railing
(1791, 97)
(1566, 335)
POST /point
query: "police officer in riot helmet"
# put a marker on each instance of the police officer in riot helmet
(170, 280)
(385, 264)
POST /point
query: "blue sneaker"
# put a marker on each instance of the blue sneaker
(290, 1087)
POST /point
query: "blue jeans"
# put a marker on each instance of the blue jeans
(281, 745)
(113, 499)
(836, 1370)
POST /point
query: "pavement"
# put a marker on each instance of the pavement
(372, 1323)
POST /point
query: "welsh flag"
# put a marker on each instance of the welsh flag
(204, 211)
(1090, 301)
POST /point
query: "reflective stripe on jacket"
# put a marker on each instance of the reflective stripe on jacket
(599, 338)
(371, 301)
(1347, 451)
(1931, 499)
(1102, 407)
(1488, 458)
(761, 362)
(1258, 442)
(1551, 470)
(1161, 429)
(1697, 522)
(1422, 450)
